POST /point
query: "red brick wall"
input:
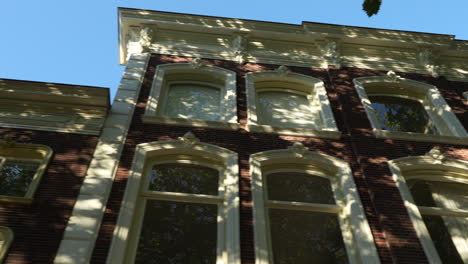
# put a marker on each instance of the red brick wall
(393, 232)
(38, 227)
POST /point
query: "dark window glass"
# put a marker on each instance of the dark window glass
(184, 178)
(306, 237)
(299, 187)
(422, 194)
(16, 175)
(399, 114)
(442, 239)
(175, 233)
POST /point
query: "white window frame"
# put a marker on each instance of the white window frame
(448, 127)
(295, 83)
(203, 74)
(26, 152)
(348, 206)
(431, 167)
(6, 237)
(186, 150)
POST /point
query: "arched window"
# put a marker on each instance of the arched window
(6, 237)
(284, 102)
(21, 169)
(405, 109)
(193, 94)
(435, 190)
(180, 205)
(305, 205)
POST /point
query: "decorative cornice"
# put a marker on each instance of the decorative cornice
(305, 45)
(298, 149)
(189, 139)
(436, 154)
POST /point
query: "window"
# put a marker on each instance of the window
(436, 189)
(186, 208)
(305, 205)
(405, 109)
(193, 94)
(21, 168)
(284, 102)
(6, 237)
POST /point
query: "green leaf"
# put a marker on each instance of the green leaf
(371, 6)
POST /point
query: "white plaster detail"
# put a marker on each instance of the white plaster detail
(146, 37)
(283, 71)
(197, 63)
(436, 154)
(428, 59)
(239, 46)
(331, 54)
(189, 139)
(83, 226)
(298, 149)
(393, 77)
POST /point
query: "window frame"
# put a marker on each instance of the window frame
(15, 151)
(348, 206)
(191, 151)
(314, 90)
(441, 169)
(205, 74)
(448, 127)
(8, 237)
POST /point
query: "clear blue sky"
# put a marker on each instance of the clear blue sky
(75, 42)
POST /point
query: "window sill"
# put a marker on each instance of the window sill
(330, 134)
(150, 119)
(410, 136)
(15, 199)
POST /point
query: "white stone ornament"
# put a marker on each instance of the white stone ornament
(427, 59)
(331, 55)
(298, 149)
(392, 76)
(197, 63)
(436, 154)
(239, 45)
(146, 37)
(189, 139)
(283, 71)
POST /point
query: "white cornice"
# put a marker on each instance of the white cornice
(307, 44)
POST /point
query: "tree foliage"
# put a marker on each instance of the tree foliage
(371, 7)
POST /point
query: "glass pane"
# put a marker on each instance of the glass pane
(285, 110)
(175, 233)
(299, 187)
(399, 114)
(442, 239)
(306, 237)
(184, 178)
(193, 101)
(421, 193)
(15, 177)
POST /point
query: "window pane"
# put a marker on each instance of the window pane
(442, 239)
(399, 114)
(193, 101)
(15, 176)
(299, 187)
(306, 237)
(175, 233)
(422, 194)
(285, 110)
(184, 178)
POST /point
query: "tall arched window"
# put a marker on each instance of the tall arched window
(305, 205)
(285, 102)
(180, 205)
(193, 94)
(436, 192)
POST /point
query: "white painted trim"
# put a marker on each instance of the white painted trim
(436, 166)
(83, 226)
(317, 96)
(447, 124)
(160, 86)
(356, 231)
(156, 150)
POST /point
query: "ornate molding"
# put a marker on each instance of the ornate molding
(239, 46)
(392, 77)
(197, 63)
(436, 154)
(283, 71)
(298, 149)
(189, 139)
(428, 60)
(331, 54)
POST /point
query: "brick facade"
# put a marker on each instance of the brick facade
(38, 227)
(392, 229)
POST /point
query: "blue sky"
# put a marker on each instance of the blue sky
(75, 42)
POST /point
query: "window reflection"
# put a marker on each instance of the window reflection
(16, 176)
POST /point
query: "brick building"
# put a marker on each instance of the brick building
(240, 141)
